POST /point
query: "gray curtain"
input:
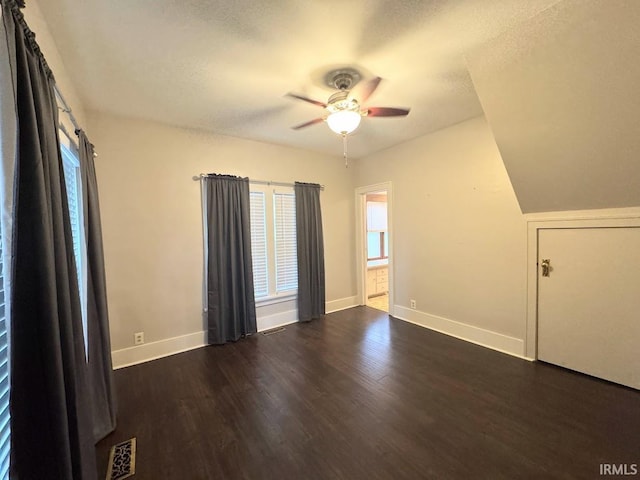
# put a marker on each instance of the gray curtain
(51, 423)
(99, 358)
(231, 306)
(311, 287)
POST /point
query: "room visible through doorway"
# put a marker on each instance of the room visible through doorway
(377, 250)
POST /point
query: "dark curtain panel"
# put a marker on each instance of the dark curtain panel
(100, 367)
(311, 288)
(51, 425)
(231, 306)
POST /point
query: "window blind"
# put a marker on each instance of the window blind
(284, 206)
(259, 244)
(376, 216)
(5, 427)
(71, 170)
(71, 181)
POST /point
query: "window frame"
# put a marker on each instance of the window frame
(70, 158)
(273, 294)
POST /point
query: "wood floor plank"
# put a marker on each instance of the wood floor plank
(359, 395)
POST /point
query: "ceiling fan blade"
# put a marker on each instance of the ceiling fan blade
(306, 99)
(387, 112)
(363, 90)
(308, 124)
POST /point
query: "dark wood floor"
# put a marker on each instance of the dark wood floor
(358, 395)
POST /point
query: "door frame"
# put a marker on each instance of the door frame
(361, 261)
(627, 217)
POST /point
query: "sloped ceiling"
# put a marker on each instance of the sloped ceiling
(561, 92)
(224, 66)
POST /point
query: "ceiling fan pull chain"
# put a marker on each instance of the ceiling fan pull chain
(344, 150)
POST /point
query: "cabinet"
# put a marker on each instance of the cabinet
(377, 281)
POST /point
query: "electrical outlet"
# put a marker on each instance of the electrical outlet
(413, 304)
(138, 338)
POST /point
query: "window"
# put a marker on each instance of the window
(273, 241)
(376, 246)
(259, 244)
(5, 428)
(284, 206)
(71, 166)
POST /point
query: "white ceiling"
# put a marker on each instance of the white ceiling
(561, 96)
(224, 66)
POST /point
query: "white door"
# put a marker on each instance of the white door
(589, 305)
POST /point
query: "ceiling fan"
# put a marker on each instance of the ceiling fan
(344, 108)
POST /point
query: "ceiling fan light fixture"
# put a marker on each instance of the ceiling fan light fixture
(344, 122)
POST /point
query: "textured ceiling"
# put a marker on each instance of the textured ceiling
(224, 66)
(561, 95)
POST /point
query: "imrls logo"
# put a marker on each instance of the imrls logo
(618, 469)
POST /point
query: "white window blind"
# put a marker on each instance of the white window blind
(5, 427)
(71, 180)
(259, 244)
(284, 209)
(71, 167)
(376, 216)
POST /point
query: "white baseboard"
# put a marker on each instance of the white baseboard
(341, 304)
(127, 357)
(170, 346)
(277, 320)
(479, 336)
(154, 350)
(291, 316)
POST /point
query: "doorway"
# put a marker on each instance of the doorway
(374, 243)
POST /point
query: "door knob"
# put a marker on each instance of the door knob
(546, 267)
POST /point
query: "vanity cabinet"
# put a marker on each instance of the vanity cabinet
(377, 281)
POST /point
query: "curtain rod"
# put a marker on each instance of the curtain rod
(67, 134)
(258, 182)
(66, 109)
(36, 48)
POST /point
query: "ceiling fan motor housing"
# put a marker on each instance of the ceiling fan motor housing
(340, 101)
(343, 78)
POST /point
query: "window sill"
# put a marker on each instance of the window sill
(378, 263)
(274, 299)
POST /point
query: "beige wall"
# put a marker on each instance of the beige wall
(152, 219)
(560, 92)
(459, 236)
(460, 239)
(35, 20)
